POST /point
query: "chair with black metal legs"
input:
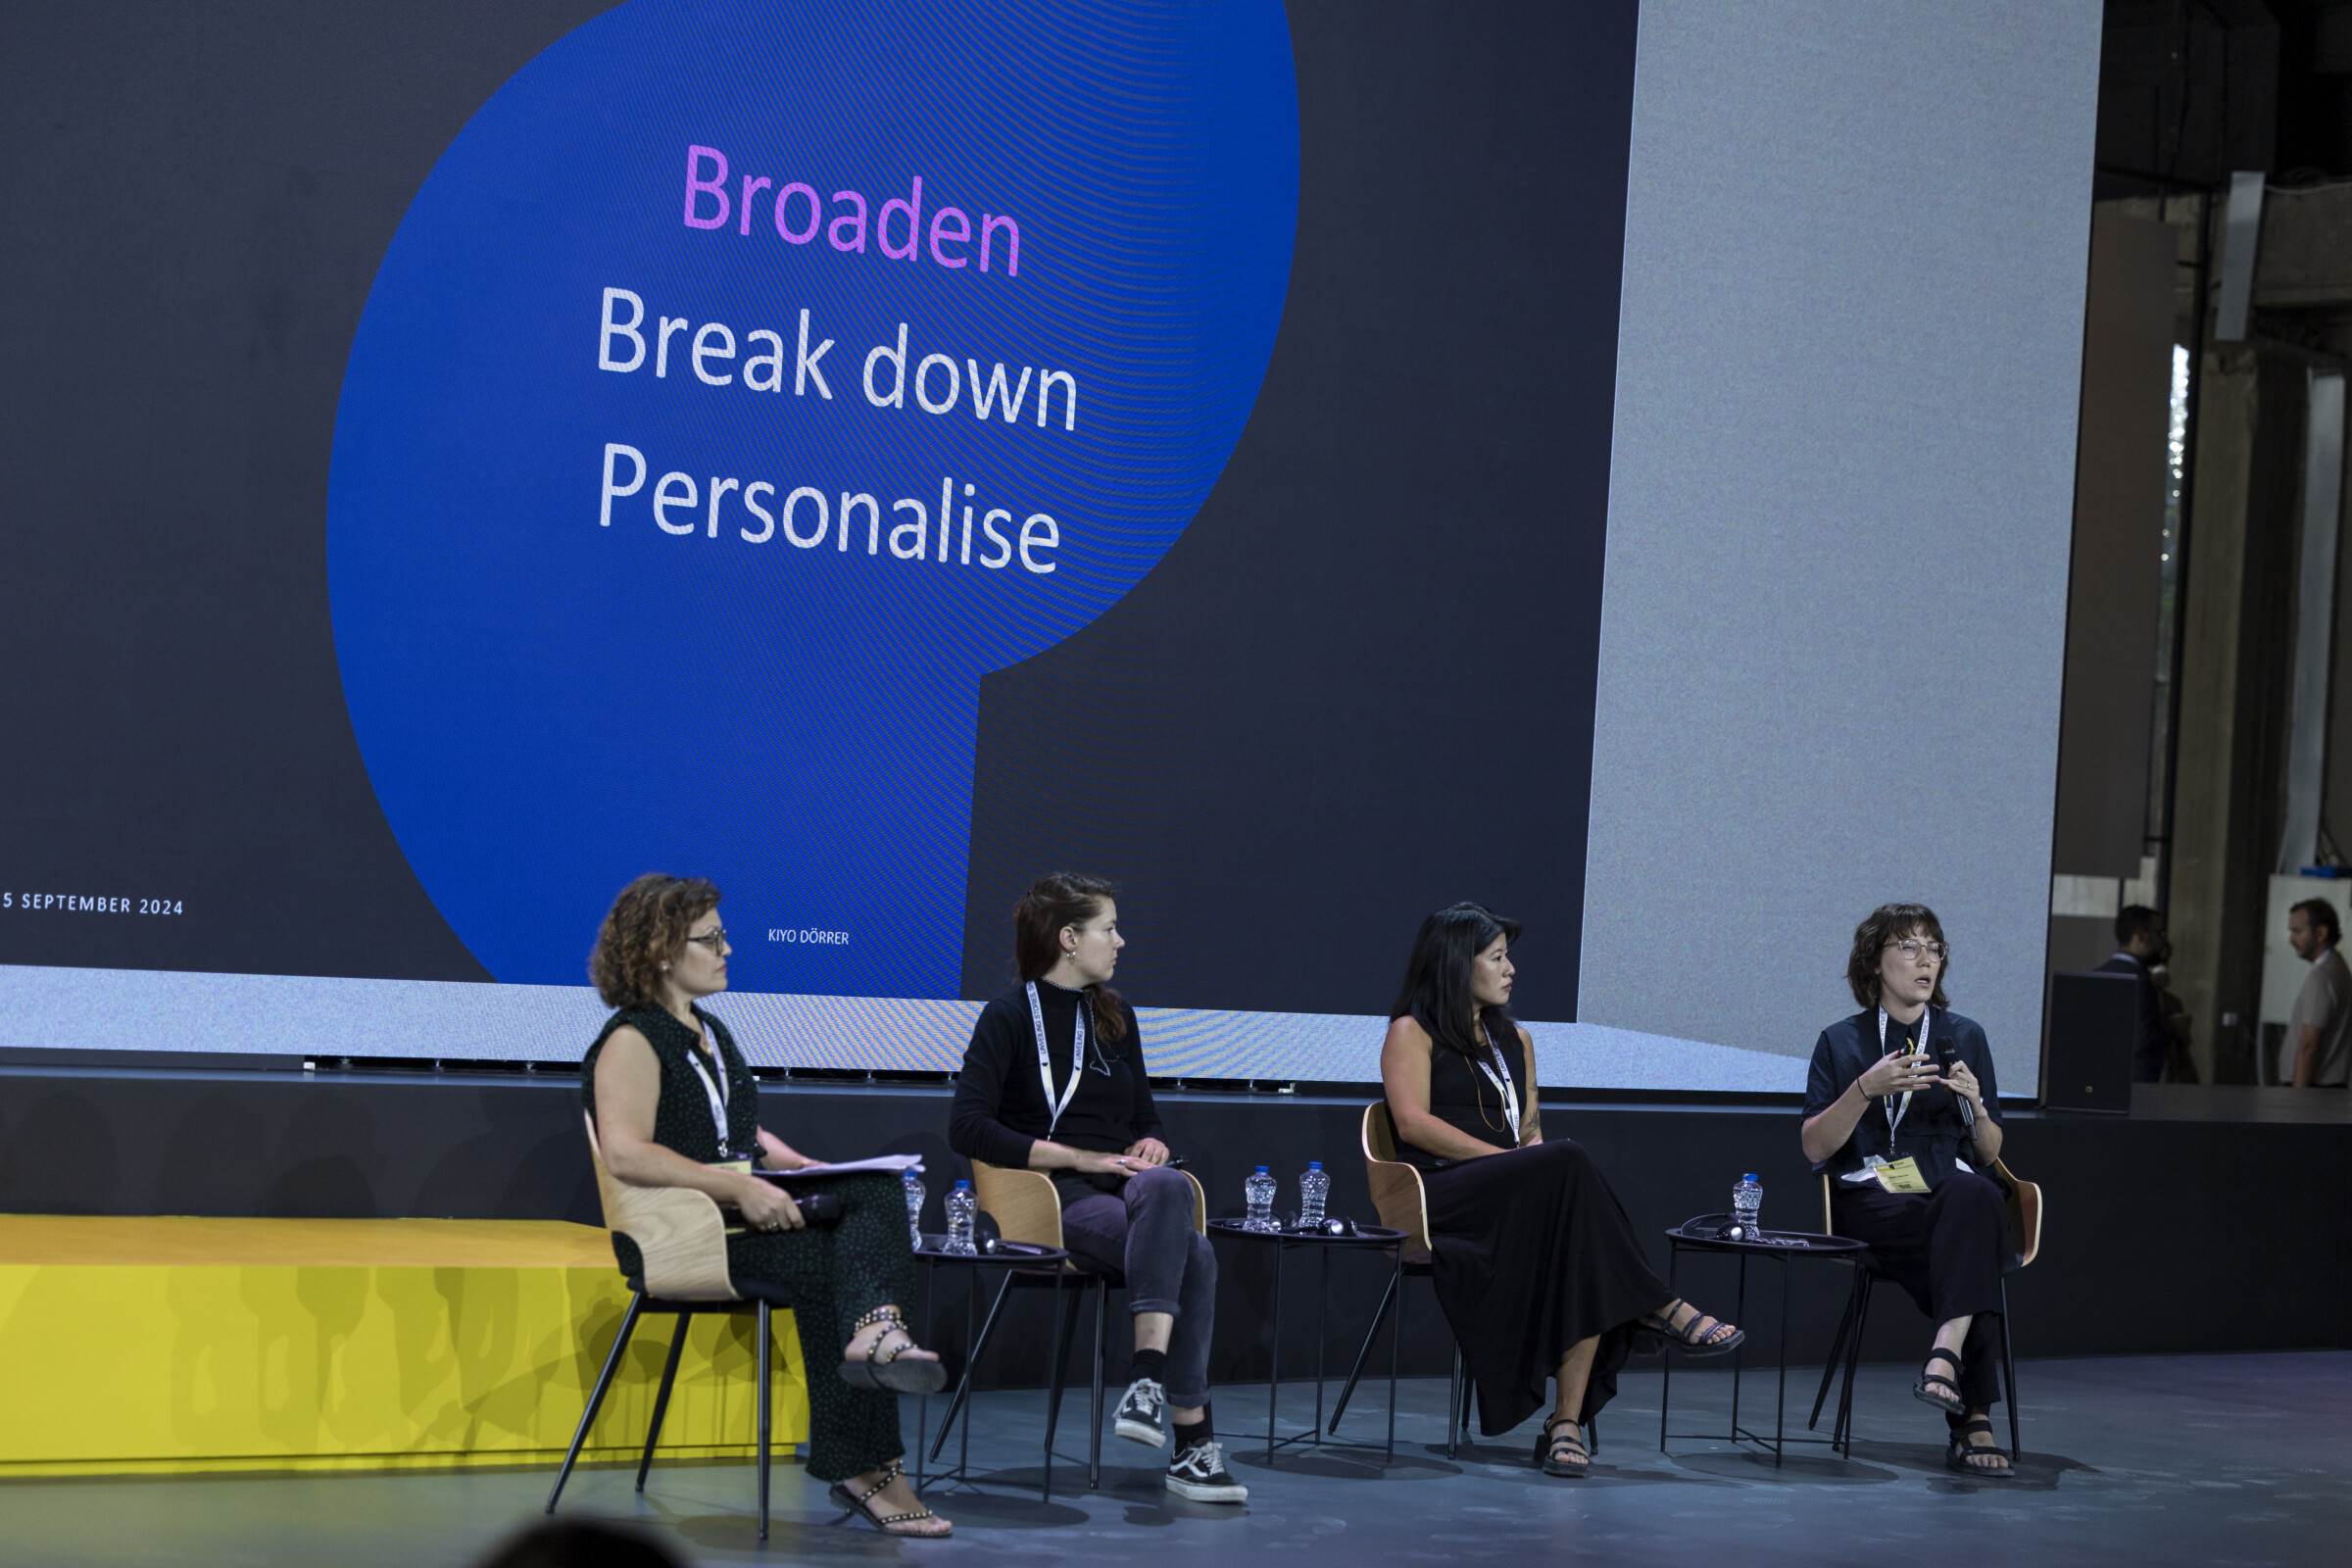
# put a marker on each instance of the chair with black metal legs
(1027, 1208)
(683, 1242)
(2025, 1235)
(1402, 1204)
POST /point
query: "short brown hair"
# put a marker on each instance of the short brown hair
(1892, 922)
(2320, 912)
(646, 928)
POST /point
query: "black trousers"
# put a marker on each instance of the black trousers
(1945, 1249)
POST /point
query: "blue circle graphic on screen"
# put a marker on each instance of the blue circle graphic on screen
(747, 382)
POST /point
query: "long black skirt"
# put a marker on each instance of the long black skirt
(1532, 1253)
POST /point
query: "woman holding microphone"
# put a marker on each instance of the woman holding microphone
(1906, 1144)
(675, 1105)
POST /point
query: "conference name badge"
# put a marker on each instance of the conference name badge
(1900, 1176)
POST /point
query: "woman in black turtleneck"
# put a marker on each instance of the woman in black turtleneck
(1054, 1081)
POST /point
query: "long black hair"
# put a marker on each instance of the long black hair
(1436, 994)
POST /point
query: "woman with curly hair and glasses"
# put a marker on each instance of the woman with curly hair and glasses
(1902, 1113)
(1535, 1264)
(675, 1105)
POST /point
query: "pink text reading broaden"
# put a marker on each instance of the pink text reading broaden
(799, 216)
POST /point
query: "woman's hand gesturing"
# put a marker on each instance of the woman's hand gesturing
(1897, 1074)
(1964, 1083)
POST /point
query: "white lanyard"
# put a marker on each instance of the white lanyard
(1894, 1117)
(712, 1076)
(1044, 1062)
(1510, 1094)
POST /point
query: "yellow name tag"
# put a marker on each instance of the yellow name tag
(1900, 1176)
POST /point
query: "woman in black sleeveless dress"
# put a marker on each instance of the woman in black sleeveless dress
(1536, 1268)
(661, 1081)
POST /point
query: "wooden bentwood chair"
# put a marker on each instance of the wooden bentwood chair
(1402, 1204)
(1027, 1208)
(2025, 1235)
(683, 1241)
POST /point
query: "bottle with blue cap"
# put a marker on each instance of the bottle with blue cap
(1314, 1188)
(1747, 1202)
(1260, 1191)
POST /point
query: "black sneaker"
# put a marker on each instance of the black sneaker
(1144, 1413)
(1200, 1473)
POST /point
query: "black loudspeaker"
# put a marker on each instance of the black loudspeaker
(2095, 1024)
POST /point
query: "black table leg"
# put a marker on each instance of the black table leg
(1396, 1343)
(923, 1403)
(1780, 1404)
(1274, 1368)
(1739, 1355)
(1674, 1270)
(1322, 1322)
(964, 1441)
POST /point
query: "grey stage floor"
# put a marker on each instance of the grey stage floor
(2239, 1459)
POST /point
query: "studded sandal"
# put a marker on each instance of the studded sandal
(881, 1368)
(859, 1503)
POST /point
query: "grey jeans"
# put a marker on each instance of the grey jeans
(1145, 1231)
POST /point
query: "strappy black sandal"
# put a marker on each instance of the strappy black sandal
(857, 1502)
(881, 1368)
(1923, 1390)
(1958, 1455)
(1693, 1337)
(1576, 1464)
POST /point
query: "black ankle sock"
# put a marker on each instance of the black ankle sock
(1152, 1364)
(1192, 1434)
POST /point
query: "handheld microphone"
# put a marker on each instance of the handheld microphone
(1947, 1057)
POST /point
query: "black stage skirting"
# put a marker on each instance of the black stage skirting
(2208, 1220)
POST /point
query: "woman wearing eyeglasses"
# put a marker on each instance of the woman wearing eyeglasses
(675, 1105)
(1536, 1265)
(1902, 1113)
(1054, 1081)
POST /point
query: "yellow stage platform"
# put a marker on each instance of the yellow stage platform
(133, 1345)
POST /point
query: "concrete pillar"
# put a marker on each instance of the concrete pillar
(2239, 603)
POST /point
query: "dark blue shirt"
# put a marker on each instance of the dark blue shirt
(1935, 1131)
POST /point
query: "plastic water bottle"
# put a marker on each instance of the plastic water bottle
(962, 1206)
(1261, 1191)
(1314, 1188)
(914, 1209)
(1748, 1200)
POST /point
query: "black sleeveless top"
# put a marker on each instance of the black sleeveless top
(1462, 1098)
(682, 1119)
(682, 1116)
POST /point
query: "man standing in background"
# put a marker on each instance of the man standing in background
(2141, 946)
(2321, 1026)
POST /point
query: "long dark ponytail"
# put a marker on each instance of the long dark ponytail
(1065, 898)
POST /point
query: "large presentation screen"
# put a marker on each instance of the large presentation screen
(463, 457)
